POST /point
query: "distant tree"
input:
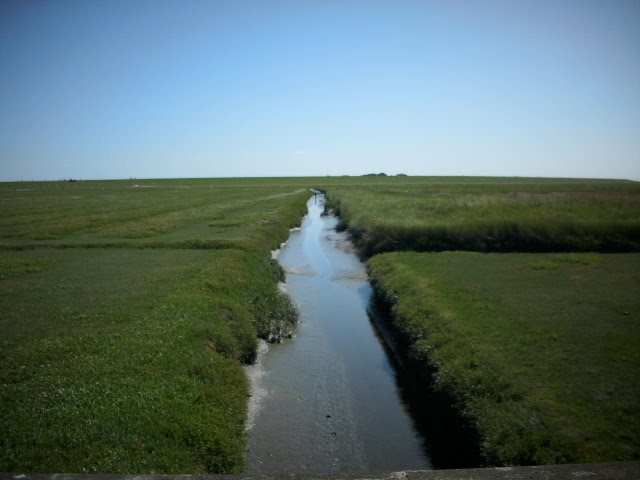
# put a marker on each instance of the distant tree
(401, 175)
(381, 174)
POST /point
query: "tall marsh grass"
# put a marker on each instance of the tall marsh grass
(490, 219)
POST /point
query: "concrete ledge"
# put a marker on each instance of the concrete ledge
(588, 471)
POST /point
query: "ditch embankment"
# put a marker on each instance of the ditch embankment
(525, 358)
(329, 402)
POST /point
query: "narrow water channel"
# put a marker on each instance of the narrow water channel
(327, 401)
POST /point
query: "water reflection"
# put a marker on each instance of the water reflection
(327, 401)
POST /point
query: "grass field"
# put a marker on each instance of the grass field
(247, 214)
(127, 312)
(538, 351)
(128, 308)
(489, 214)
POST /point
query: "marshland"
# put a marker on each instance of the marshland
(128, 309)
(174, 301)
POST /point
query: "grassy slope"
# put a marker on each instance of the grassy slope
(484, 214)
(128, 358)
(540, 351)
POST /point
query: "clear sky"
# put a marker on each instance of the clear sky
(134, 88)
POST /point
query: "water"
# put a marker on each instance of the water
(327, 401)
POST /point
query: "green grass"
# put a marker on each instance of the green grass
(149, 214)
(128, 308)
(127, 314)
(484, 214)
(539, 352)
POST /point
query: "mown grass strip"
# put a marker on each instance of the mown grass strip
(539, 352)
(172, 216)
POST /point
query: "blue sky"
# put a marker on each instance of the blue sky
(119, 89)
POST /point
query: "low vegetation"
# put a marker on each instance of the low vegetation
(537, 352)
(129, 307)
(248, 214)
(490, 215)
(127, 313)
